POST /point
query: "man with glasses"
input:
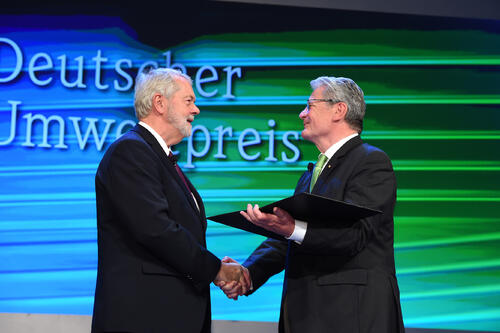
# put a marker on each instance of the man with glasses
(340, 276)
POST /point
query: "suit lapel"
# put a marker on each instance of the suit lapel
(336, 158)
(151, 140)
(305, 182)
(201, 210)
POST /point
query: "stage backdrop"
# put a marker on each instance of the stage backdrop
(433, 104)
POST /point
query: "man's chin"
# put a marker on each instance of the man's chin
(305, 134)
(187, 130)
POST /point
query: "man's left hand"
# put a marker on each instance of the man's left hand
(280, 222)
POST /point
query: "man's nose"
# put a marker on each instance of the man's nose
(303, 114)
(196, 110)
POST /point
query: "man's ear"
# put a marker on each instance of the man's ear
(340, 110)
(159, 103)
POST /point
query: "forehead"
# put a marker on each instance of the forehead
(185, 89)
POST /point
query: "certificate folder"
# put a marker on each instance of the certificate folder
(303, 206)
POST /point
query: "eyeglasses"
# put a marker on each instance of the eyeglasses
(334, 101)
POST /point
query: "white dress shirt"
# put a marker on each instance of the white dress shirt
(157, 136)
(165, 148)
(299, 232)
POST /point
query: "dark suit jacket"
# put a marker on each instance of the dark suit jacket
(154, 270)
(342, 277)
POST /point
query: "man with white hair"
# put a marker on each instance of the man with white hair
(340, 274)
(154, 270)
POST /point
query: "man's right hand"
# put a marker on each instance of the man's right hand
(228, 272)
(235, 288)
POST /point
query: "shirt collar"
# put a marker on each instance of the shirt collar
(157, 136)
(337, 145)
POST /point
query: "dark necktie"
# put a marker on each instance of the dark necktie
(179, 171)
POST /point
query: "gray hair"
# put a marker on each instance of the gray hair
(347, 91)
(156, 81)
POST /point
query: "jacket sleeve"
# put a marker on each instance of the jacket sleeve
(267, 260)
(132, 180)
(372, 184)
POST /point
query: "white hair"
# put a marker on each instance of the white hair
(347, 91)
(156, 81)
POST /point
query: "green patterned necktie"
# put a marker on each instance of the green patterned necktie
(317, 170)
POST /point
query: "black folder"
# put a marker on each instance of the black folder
(303, 206)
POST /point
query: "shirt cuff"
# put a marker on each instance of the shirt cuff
(299, 232)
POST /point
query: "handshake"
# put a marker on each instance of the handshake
(233, 279)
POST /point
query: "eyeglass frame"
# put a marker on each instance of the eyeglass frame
(334, 101)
